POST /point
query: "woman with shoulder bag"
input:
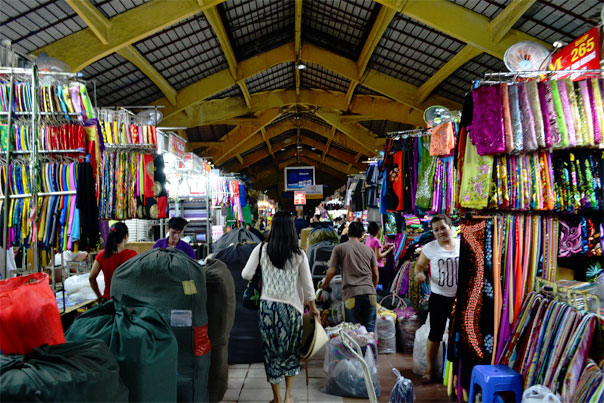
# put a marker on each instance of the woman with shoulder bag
(286, 287)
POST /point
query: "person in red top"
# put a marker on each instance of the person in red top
(109, 259)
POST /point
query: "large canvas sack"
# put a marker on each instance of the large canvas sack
(176, 285)
(29, 316)
(221, 315)
(84, 371)
(141, 341)
(245, 344)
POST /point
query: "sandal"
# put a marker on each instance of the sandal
(426, 378)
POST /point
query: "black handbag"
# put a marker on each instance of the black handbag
(253, 290)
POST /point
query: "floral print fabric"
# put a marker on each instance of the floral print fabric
(476, 180)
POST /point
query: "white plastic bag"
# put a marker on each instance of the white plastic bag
(420, 357)
(539, 393)
(386, 334)
(402, 392)
(78, 287)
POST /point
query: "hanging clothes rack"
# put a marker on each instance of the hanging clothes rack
(514, 76)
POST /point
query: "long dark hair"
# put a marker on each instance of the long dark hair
(117, 233)
(282, 240)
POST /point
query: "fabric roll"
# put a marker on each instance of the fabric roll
(488, 132)
(535, 104)
(568, 114)
(528, 120)
(543, 90)
(597, 91)
(587, 107)
(507, 119)
(581, 126)
(516, 117)
(560, 116)
(594, 111)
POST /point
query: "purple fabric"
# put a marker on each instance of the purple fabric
(516, 118)
(528, 120)
(551, 113)
(568, 115)
(181, 245)
(547, 128)
(594, 113)
(104, 227)
(570, 239)
(588, 112)
(488, 132)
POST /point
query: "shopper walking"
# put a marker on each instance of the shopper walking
(176, 227)
(300, 222)
(443, 256)
(109, 259)
(360, 276)
(286, 287)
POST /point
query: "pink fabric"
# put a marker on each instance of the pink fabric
(488, 133)
(374, 243)
(568, 115)
(507, 119)
(528, 120)
(547, 128)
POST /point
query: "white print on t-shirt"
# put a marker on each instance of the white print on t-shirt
(447, 272)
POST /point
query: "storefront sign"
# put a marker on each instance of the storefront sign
(187, 162)
(314, 191)
(582, 53)
(299, 198)
(177, 146)
(299, 208)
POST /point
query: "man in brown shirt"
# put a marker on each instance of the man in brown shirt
(359, 277)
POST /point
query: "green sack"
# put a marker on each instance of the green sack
(175, 285)
(142, 342)
(84, 371)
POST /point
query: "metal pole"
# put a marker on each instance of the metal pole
(3, 266)
(33, 163)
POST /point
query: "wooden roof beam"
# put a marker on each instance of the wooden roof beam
(356, 132)
(298, 40)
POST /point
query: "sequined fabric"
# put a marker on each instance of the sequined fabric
(487, 121)
(516, 118)
(476, 181)
(535, 104)
(528, 121)
(507, 119)
(589, 123)
(560, 115)
(543, 90)
(568, 114)
(594, 112)
(599, 108)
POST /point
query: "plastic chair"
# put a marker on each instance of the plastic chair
(495, 379)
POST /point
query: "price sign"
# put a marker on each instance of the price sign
(582, 53)
(299, 198)
(177, 146)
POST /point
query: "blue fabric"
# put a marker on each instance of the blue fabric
(181, 245)
(363, 312)
(242, 198)
(281, 331)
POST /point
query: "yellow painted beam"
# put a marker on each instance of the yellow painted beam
(223, 111)
(506, 19)
(332, 133)
(266, 141)
(264, 61)
(298, 40)
(357, 133)
(380, 25)
(82, 48)
(236, 138)
(246, 93)
(460, 23)
(95, 20)
(134, 56)
(465, 55)
(350, 91)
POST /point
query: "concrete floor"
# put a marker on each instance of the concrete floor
(247, 382)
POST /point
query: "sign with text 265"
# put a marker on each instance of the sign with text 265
(582, 53)
(299, 198)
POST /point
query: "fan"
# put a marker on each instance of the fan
(47, 63)
(150, 116)
(526, 56)
(435, 115)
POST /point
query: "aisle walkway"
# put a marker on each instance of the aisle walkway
(247, 383)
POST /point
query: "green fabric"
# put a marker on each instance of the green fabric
(4, 137)
(83, 371)
(320, 234)
(142, 342)
(425, 180)
(247, 214)
(560, 119)
(476, 180)
(156, 277)
(221, 315)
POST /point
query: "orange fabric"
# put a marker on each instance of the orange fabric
(442, 140)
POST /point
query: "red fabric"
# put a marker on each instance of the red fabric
(109, 264)
(29, 316)
(162, 207)
(398, 185)
(201, 341)
(148, 175)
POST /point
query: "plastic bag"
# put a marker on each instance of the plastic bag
(345, 373)
(406, 327)
(29, 315)
(386, 333)
(78, 287)
(420, 360)
(539, 393)
(402, 392)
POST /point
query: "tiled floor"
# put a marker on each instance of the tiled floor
(247, 382)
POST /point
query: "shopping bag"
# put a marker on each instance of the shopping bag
(29, 316)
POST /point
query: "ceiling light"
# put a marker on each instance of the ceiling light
(283, 149)
(300, 65)
(313, 148)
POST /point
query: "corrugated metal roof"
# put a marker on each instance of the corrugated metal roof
(360, 89)
(488, 8)
(195, 55)
(256, 26)
(315, 76)
(120, 82)
(381, 127)
(34, 24)
(277, 77)
(337, 25)
(232, 91)
(111, 8)
(412, 51)
(312, 135)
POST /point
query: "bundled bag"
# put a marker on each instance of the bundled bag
(141, 341)
(420, 357)
(29, 316)
(84, 371)
(253, 290)
(175, 285)
(539, 393)
(406, 327)
(386, 333)
(402, 392)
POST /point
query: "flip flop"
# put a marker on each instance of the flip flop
(426, 378)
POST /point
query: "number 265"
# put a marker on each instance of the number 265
(584, 48)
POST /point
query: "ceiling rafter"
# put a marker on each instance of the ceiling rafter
(213, 16)
(498, 28)
(83, 48)
(364, 137)
(298, 41)
(382, 22)
(329, 140)
(100, 26)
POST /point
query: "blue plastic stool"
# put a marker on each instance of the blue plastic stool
(494, 379)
